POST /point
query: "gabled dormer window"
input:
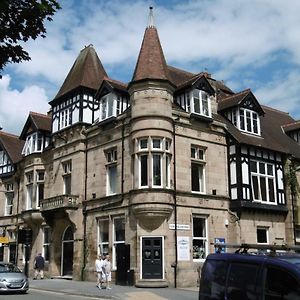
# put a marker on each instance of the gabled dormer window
(195, 102)
(245, 120)
(111, 105)
(35, 142)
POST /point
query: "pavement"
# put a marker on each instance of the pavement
(89, 289)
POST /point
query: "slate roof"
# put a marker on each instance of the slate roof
(86, 71)
(12, 145)
(151, 63)
(35, 122)
(272, 136)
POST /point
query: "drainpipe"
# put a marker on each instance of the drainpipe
(122, 163)
(175, 206)
(84, 212)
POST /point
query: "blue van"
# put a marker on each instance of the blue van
(244, 276)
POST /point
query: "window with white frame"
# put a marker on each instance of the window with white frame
(111, 171)
(198, 169)
(3, 158)
(103, 236)
(67, 177)
(154, 160)
(263, 182)
(40, 178)
(29, 190)
(249, 121)
(35, 142)
(195, 101)
(46, 243)
(9, 197)
(112, 105)
(118, 235)
(65, 117)
(262, 235)
(245, 120)
(200, 239)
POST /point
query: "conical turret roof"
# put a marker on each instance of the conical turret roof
(151, 63)
(86, 71)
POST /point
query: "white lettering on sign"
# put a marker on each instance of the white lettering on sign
(180, 226)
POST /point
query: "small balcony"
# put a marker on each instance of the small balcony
(59, 202)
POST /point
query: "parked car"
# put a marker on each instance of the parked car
(12, 279)
(242, 276)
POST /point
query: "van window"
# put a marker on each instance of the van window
(281, 285)
(213, 279)
(242, 280)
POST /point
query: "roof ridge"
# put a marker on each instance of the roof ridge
(8, 134)
(275, 109)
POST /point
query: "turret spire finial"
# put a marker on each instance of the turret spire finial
(151, 18)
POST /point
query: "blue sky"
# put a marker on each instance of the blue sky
(247, 44)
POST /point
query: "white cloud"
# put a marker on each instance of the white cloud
(282, 93)
(234, 39)
(15, 105)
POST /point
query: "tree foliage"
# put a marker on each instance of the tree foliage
(21, 20)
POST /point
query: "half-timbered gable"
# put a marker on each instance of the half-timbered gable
(257, 161)
(112, 100)
(36, 133)
(194, 96)
(10, 153)
(75, 101)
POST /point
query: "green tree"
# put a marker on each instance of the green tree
(21, 20)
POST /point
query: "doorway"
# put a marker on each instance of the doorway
(67, 252)
(152, 258)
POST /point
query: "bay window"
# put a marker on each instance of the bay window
(263, 182)
(35, 142)
(153, 157)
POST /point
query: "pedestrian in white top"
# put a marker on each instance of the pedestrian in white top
(107, 270)
(99, 270)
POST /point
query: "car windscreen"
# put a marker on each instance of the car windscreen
(8, 268)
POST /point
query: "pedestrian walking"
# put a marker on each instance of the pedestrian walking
(99, 271)
(107, 270)
(39, 265)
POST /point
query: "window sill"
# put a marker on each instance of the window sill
(196, 116)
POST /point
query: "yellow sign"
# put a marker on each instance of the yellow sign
(4, 240)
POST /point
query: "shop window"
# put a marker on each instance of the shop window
(200, 240)
(46, 243)
(103, 236)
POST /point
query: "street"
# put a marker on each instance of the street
(46, 295)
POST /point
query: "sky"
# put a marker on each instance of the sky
(247, 44)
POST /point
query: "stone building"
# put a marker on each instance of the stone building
(152, 171)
